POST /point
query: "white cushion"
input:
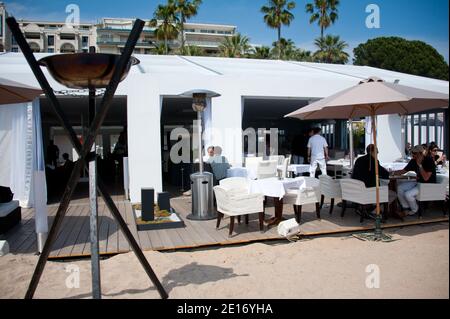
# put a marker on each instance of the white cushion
(7, 208)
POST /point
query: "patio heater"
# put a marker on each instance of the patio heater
(201, 182)
(86, 71)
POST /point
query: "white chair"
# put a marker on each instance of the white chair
(251, 164)
(231, 204)
(308, 193)
(279, 158)
(283, 172)
(238, 185)
(266, 169)
(356, 191)
(329, 188)
(433, 192)
(252, 161)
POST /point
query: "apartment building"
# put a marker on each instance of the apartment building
(5, 36)
(112, 34)
(109, 35)
(56, 37)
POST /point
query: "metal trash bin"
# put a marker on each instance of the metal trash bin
(202, 197)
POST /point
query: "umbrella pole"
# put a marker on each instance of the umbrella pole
(352, 152)
(378, 232)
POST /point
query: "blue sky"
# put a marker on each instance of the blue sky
(412, 19)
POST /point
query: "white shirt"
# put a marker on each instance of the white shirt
(317, 143)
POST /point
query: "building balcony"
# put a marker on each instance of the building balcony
(123, 29)
(209, 44)
(123, 43)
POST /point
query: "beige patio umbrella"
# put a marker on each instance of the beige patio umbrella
(372, 97)
(14, 92)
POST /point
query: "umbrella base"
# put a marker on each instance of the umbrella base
(373, 237)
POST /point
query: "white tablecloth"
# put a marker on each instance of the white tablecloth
(394, 166)
(340, 162)
(299, 168)
(273, 187)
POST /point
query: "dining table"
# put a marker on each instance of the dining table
(275, 188)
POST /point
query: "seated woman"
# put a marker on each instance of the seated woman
(425, 168)
(436, 154)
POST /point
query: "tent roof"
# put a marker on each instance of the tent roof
(14, 67)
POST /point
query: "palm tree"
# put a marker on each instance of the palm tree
(236, 46)
(303, 55)
(277, 14)
(331, 50)
(325, 12)
(186, 9)
(167, 30)
(159, 49)
(192, 50)
(284, 49)
(261, 52)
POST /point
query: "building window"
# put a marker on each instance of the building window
(35, 36)
(67, 36)
(84, 41)
(14, 49)
(328, 134)
(1, 25)
(425, 128)
(51, 50)
(67, 48)
(51, 40)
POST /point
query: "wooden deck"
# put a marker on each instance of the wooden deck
(73, 238)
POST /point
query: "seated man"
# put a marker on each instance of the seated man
(425, 169)
(364, 169)
(207, 158)
(219, 164)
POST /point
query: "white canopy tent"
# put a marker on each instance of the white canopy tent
(22, 165)
(235, 80)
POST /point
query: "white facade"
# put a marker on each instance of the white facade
(235, 79)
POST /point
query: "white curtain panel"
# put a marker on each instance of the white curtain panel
(15, 153)
(21, 150)
(39, 185)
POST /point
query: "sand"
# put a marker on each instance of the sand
(416, 265)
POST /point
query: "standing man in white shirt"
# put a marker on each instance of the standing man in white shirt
(317, 153)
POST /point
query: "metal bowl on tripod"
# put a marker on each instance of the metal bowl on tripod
(84, 70)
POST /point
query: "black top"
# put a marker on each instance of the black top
(428, 166)
(364, 171)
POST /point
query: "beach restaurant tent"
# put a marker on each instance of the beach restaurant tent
(244, 84)
(22, 166)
